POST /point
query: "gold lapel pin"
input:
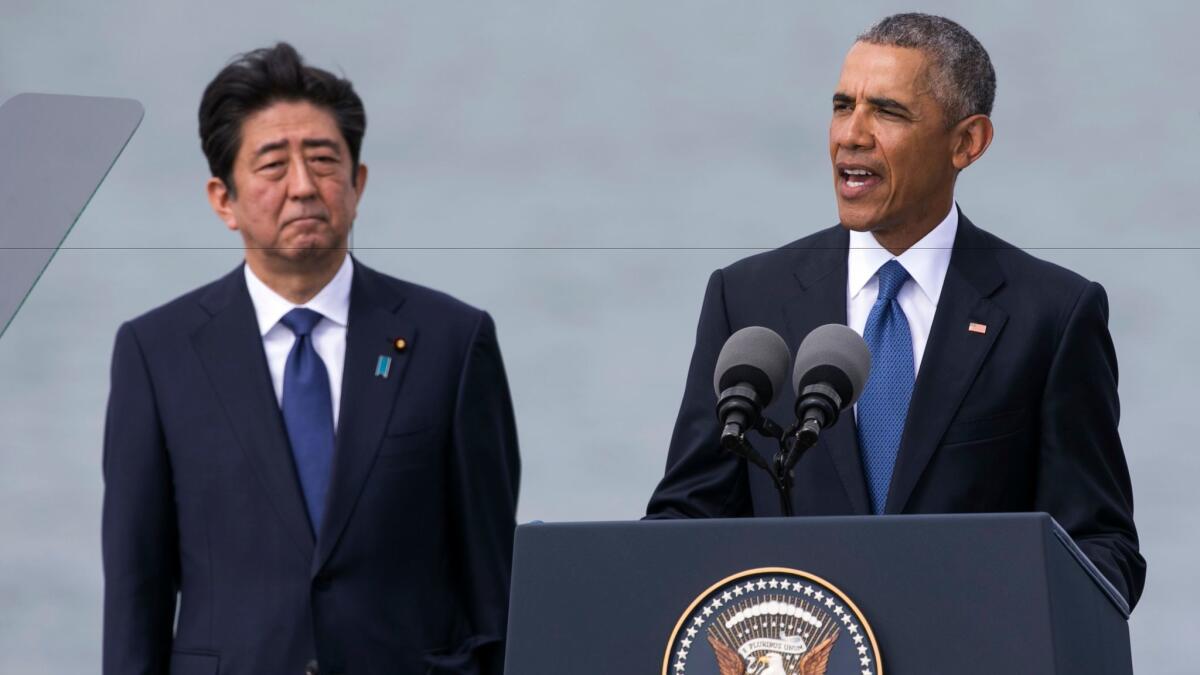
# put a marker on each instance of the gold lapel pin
(977, 328)
(400, 344)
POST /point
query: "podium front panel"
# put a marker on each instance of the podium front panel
(942, 594)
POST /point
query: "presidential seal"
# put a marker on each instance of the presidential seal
(772, 621)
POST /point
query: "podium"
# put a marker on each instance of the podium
(978, 594)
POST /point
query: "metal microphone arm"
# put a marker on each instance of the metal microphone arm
(792, 445)
(817, 407)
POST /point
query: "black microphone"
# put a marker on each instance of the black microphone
(750, 371)
(832, 365)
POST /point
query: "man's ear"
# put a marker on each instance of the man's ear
(972, 136)
(360, 180)
(220, 199)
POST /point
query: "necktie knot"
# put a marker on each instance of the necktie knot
(301, 321)
(891, 277)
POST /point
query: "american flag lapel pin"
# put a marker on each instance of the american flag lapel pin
(383, 366)
(977, 328)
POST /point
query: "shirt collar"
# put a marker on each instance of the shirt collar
(332, 302)
(925, 261)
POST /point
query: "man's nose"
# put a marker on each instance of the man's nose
(300, 180)
(854, 132)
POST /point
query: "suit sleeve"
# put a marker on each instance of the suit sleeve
(486, 478)
(138, 532)
(702, 481)
(1083, 479)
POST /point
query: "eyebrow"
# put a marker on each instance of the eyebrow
(306, 143)
(877, 101)
(270, 147)
(320, 143)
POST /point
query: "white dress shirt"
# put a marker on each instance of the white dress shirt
(926, 263)
(328, 336)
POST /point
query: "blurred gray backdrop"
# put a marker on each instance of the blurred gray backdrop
(578, 168)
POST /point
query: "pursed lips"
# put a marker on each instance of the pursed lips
(306, 219)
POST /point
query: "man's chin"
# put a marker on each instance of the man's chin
(857, 221)
(858, 227)
(863, 218)
(309, 252)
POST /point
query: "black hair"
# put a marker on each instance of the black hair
(257, 79)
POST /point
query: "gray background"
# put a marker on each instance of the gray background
(578, 169)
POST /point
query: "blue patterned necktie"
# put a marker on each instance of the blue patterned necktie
(883, 406)
(308, 412)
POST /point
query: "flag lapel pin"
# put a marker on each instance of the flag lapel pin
(383, 366)
(977, 328)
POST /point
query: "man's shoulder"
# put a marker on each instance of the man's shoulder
(823, 246)
(429, 303)
(1031, 290)
(1039, 279)
(188, 309)
(447, 321)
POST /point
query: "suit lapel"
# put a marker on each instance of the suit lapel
(367, 399)
(952, 356)
(230, 349)
(822, 299)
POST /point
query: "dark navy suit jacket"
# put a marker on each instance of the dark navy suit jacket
(202, 505)
(1022, 417)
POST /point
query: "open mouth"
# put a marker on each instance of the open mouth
(857, 181)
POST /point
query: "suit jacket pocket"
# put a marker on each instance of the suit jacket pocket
(987, 428)
(194, 663)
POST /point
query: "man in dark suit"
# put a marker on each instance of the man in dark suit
(993, 383)
(310, 467)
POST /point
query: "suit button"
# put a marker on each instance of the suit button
(322, 582)
(311, 668)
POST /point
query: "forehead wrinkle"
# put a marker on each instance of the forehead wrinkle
(876, 77)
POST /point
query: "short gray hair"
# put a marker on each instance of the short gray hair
(960, 73)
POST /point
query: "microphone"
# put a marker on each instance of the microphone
(832, 365)
(751, 370)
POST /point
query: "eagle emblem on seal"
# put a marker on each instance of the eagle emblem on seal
(772, 621)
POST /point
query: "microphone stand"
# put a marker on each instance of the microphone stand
(792, 444)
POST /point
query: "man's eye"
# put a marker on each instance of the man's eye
(272, 165)
(840, 107)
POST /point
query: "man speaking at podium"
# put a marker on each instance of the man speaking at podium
(993, 382)
(317, 461)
